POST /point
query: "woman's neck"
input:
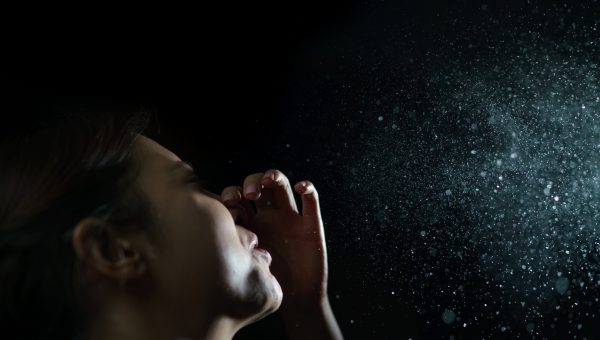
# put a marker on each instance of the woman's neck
(125, 321)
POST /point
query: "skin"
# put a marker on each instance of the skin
(201, 279)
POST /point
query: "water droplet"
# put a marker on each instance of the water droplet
(561, 285)
(448, 316)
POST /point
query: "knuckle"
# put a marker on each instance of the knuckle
(277, 172)
(234, 192)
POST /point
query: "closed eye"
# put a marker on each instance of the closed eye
(201, 183)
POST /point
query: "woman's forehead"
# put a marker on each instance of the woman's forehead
(157, 164)
(155, 155)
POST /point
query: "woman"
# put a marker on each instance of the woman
(106, 234)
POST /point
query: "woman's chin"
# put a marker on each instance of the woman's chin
(276, 297)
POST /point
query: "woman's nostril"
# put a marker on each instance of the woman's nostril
(238, 215)
(237, 218)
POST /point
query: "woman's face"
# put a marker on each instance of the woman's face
(204, 262)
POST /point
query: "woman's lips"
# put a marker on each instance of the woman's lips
(252, 246)
(264, 254)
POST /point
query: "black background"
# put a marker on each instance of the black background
(233, 83)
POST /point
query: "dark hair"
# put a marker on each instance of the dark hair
(55, 173)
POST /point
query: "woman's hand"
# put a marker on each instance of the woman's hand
(295, 240)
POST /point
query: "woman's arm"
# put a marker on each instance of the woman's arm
(316, 324)
(296, 241)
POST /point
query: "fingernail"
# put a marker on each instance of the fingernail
(267, 179)
(269, 176)
(302, 187)
(250, 189)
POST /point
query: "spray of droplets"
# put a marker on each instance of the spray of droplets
(530, 179)
(474, 178)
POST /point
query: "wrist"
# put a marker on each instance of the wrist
(315, 321)
(305, 306)
(299, 314)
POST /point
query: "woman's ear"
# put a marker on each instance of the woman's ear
(107, 252)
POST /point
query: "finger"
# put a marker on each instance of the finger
(254, 190)
(282, 194)
(265, 199)
(248, 218)
(253, 186)
(232, 198)
(231, 195)
(310, 201)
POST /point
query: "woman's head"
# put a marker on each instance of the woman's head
(100, 222)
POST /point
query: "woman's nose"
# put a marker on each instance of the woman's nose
(248, 238)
